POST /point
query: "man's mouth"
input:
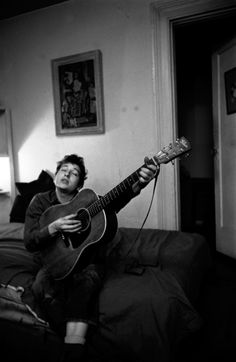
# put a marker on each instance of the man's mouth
(65, 181)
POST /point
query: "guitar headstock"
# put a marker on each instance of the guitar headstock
(176, 149)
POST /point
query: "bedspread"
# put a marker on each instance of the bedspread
(146, 305)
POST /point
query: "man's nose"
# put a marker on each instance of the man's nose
(67, 173)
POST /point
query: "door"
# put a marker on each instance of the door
(224, 114)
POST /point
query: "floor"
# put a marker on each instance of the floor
(220, 310)
(216, 342)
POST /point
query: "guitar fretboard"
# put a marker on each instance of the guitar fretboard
(113, 194)
(117, 191)
(167, 154)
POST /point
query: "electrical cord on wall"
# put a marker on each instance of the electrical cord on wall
(133, 267)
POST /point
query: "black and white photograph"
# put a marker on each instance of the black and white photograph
(118, 181)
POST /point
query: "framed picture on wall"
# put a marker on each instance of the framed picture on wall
(78, 94)
(230, 90)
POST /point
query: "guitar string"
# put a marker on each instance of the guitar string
(97, 206)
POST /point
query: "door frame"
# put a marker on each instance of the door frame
(223, 231)
(163, 14)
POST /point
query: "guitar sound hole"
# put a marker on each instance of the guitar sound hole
(84, 217)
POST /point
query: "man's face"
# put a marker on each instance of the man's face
(67, 177)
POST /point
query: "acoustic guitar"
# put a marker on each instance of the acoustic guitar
(68, 252)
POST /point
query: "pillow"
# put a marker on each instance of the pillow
(42, 184)
(27, 190)
(19, 207)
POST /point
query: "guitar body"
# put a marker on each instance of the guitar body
(67, 252)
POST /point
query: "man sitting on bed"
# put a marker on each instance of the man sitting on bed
(70, 303)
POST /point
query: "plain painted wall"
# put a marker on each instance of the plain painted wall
(122, 30)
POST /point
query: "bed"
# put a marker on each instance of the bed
(147, 306)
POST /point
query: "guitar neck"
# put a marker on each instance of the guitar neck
(115, 193)
(179, 147)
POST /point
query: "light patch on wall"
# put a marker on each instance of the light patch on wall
(36, 149)
(5, 179)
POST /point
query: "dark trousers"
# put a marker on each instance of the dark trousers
(74, 298)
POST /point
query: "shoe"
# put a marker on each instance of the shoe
(74, 352)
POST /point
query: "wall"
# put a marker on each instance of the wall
(122, 30)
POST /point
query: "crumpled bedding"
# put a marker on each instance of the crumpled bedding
(11, 231)
(144, 317)
(144, 311)
(13, 308)
(146, 306)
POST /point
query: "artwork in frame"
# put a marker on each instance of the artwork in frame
(230, 90)
(78, 94)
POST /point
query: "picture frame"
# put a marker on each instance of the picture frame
(230, 90)
(78, 94)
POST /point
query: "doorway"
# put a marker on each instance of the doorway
(194, 43)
